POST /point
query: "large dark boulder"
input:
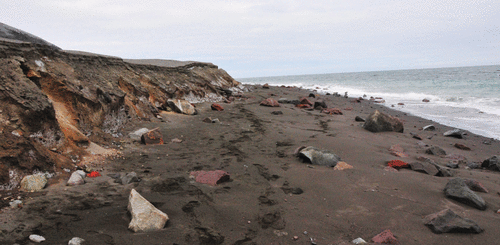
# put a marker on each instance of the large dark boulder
(380, 122)
(446, 221)
(491, 163)
(457, 189)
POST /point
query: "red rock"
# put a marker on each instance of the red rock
(210, 177)
(153, 137)
(425, 100)
(342, 165)
(385, 237)
(475, 185)
(398, 151)
(270, 102)
(306, 101)
(176, 140)
(217, 107)
(93, 174)
(332, 111)
(397, 164)
(401, 103)
(348, 108)
(462, 147)
(303, 106)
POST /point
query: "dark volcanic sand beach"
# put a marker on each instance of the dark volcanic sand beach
(256, 148)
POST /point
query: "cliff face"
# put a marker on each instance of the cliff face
(54, 103)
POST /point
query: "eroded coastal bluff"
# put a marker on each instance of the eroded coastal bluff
(55, 103)
(100, 150)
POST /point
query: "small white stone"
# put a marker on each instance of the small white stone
(359, 240)
(37, 238)
(76, 241)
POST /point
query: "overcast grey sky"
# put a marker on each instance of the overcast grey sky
(269, 38)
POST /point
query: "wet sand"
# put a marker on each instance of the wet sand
(256, 148)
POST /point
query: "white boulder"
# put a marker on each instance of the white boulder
(77, 178)
(32, 183)
(145, 216)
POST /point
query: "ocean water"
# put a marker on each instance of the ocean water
(462, 97)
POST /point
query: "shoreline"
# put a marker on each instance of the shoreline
(466, 120)
(256, 148)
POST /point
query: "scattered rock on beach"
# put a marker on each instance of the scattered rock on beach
(32, 183)
(462, 147)
(473, 165)
(182, 106)
(270, 102)
(424, 167)
(318, 157)
(380, 122)
(16, 204)
(359, 119)
(145, 216)
(385, 237)
(456, 133)
(210, 120)
(436, 151)
(416, 136)
(453, 164)
(475, 185)
(447, 221)
(127, 179)
(426, 100)
(77, 178)
(304, 106)
(136, 135)
(491, 163)
(332, 111)
(397, 164)
(176, 140)
(216, 107)
(319, 105)
(442, 171)
(36, 238)
(210, 177)
(429, 128)
(342, 166)
(305, 101)
(277, 113)
(398, 151)
(359, 241)
(152, 137)
(266, 86)
(76, 241)
(458, 190)
(287, 101)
